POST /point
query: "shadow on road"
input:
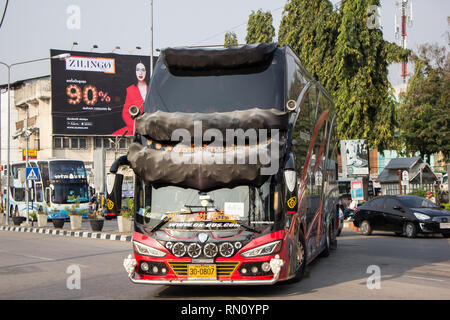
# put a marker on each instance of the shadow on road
(346, 268)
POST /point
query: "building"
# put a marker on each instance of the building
(411, 173)
(31, 108)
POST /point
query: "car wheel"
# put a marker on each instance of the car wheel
(410, 230)
(300, 259)
(446, 235)
(365, 228)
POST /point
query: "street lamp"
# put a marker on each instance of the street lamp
(61, 56)
(132, 50)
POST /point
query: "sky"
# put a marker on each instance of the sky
(31, 28)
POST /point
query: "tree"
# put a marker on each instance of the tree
(230, 39)
(424, 115)
(259, 27)
(350, 59)
(310, 29)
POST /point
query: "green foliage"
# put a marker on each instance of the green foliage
(74, 208)
(424, 115)
(32, 216)
(350, 60)
(419, 192)
(230, 39)
(127, 210)
(259, 27)
(446, 206)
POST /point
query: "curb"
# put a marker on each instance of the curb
(69, 233)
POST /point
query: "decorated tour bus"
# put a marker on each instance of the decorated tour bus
(55, 187)
(235, 164)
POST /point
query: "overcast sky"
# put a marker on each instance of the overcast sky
(31, 28)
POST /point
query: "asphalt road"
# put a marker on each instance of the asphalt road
(35, 266)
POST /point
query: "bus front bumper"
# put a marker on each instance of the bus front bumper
(276, 264)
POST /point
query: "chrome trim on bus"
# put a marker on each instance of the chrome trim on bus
(206, 282)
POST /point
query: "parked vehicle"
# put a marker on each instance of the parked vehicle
(407, 215)
(57, 186)
(340, 219)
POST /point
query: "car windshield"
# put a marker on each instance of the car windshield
(417, 202)
(207, 94)
(243, 203)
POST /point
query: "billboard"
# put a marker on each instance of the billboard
(355, 157)
(92, 92)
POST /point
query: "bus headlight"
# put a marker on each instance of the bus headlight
(147, 251)
(265, 249)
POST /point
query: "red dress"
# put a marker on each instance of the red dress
(134, 98)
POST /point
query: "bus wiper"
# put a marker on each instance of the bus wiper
(167, 219)
(247, 227)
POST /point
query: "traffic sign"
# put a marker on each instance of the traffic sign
(405, 175)
(32, 174)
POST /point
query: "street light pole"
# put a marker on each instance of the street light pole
(9, 66)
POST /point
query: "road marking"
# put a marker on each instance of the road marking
(422, 278)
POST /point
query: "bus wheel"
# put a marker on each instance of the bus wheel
(300, 258)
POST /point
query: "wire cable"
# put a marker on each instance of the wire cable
(4, 13)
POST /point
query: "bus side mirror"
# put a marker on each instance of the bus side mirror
(114, 192)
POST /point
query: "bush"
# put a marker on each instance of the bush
(418, 192)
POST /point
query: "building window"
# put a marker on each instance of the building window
(83, 143)
(123, 144)
(65, 143)
(57, 143)
(74, 144)
(106, 143)
(98, 143)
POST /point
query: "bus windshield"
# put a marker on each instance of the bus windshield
(67, 170)
(70, 192)
(242, 203)
(221, 93)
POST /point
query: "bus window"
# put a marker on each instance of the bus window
(39, 195)
(19, 194)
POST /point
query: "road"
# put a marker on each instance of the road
(35, 266)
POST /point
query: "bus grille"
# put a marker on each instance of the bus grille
(224, 268)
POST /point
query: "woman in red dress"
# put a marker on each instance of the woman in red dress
(135, 97)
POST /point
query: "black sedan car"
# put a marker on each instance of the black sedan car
(408, 215)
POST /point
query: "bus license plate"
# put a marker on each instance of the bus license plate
(198, 271)
(445, 225)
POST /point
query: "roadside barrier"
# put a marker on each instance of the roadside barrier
(70, 233)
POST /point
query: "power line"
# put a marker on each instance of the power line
(4, 13)
(220, 33)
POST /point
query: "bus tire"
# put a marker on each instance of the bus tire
(300, 259)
